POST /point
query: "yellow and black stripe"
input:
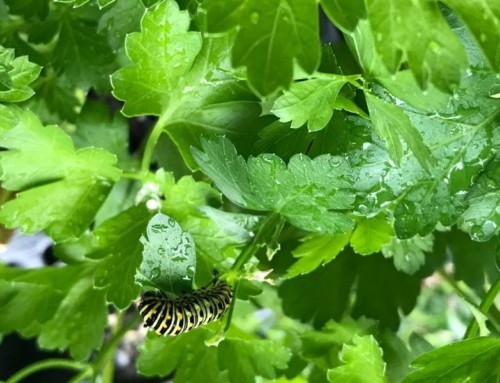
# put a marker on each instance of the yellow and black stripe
(174, 316)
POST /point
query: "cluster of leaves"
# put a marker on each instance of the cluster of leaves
(353, 170)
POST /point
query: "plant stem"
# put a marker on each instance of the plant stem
(133, 176)
(106, 357)
(153, 140)
(265, 230)
(231, 307)
(453, 283)
(45, 365)
(484, 307)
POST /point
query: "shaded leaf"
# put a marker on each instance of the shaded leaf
(270, 36)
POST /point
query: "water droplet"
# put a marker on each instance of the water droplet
(254, 17)
(483, 37)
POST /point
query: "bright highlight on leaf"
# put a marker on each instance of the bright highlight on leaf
(310, 101)
(15, 76)
(482, 17)
(371, 234)
(169, 258)
(146, 87)
(307, 192)
(316, 250)
(469, 360)
(61, 188)
(392, 125)
(363, 362)
(416, 32)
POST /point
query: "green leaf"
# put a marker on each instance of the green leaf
(316, 250)
(482, 17)
(96, 126)
(55, 100)
(169, 258)
(310, 297)
(84, 313)
(461, 145)
(323, 294)
(214, 231)
(28, 299)
(376, 296)
(482, 217)
(392, 125)
(345, 14)
(82, 54)
(146, 86)
(474, 262)
(245, 359)
(119, 251)
(57, 303)
(417, 32)
(62, 188)
(408, 254)
(310, 101)
(15, 76)
(270, 36)
(323, 347)
(363, 362)
(470, 360)
(28, 8)
(164, 355)
(371, 234)
(122, 18)
(306, 192)
(76, 3)
(233, 360)
(194, 90)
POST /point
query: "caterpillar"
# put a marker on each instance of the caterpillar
(175, 316)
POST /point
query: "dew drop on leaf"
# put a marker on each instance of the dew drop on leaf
(254, 17)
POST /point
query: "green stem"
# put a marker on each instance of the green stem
(459, 290)
(153, 140)
(265, 230)
(105, 357)
(133, 176)
(484, 307)
(231, 307)
(82, 376)
(46, 365)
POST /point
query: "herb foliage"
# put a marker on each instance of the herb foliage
(324, 181)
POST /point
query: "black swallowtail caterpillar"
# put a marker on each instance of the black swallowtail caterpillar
(175, 316)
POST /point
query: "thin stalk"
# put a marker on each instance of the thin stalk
(260, 238)
(82, 376)
(105, 357)
(153, 140)
(265, 231)
(133, 176)
(459, 290)
(484, 307)
(46, 365)
(231, 307)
